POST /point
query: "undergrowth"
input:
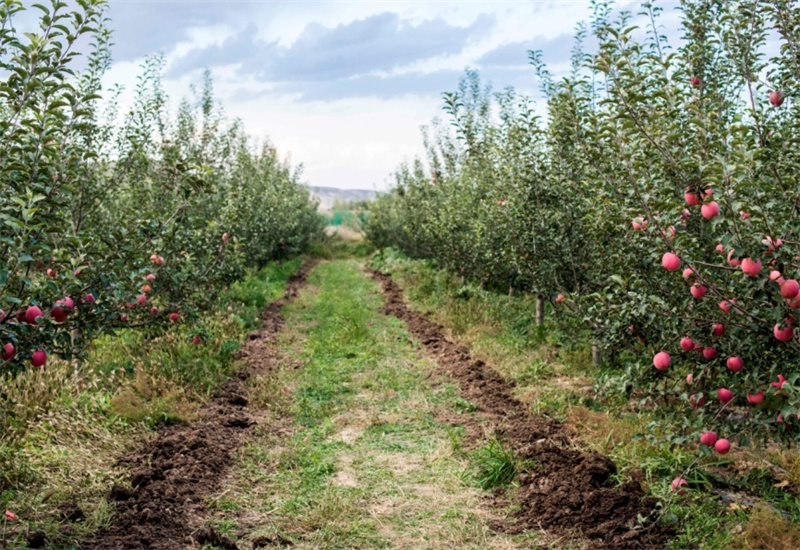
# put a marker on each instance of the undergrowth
(63, 427)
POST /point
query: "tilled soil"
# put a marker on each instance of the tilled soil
(171, 477)
(566, 491)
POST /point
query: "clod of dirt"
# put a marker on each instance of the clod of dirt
(566, 490)
(172, 476)
(276, 540)
(36, 539)
(212, 537)
(72, 512)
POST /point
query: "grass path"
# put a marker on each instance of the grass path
(349, 453)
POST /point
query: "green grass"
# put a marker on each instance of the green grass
(496, 465)
(366, 463)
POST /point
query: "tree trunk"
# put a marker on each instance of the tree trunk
(539, 310)
(597, 356)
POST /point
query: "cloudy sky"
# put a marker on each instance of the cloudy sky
(342, 86)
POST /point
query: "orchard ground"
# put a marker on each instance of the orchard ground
(360, 439)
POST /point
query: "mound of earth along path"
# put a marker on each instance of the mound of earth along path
(171, 476)
(566, 490)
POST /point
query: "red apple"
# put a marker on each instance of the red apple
(735, 363)
(772, 245)
(123, 317)
(785, 334)
(694, 402)
(39, 358)
(709, 210)
(710, 353)
(708, 438)
(779, 384)
(8, 351)
(688, 272)
(141, 299)
(695, 82)
(687, 344)
(698, 290)
(776, 98)
(146, 289)
(724, 395)
(662, 360)
(790, 289)
(59, 314)
(718, 329)
(677, 483)
(722, 446)
(719, 248)
(559, 298)
(31, 314)
(197, 340)
(689, 378)
(51, 272)
(670, 261)
(751, 268)
(733, 261)
(726, 305)
(744, 214)
(151, 278)
(174, 317)
(691, 198)
(154, 310)
(226, 237)
(755, 398)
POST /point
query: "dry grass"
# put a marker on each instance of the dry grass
(768, 530)
(788, 463)
(344, 233)
(603, 431)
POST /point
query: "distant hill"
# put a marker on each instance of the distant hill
(328, 195)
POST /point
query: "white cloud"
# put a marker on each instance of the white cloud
(347, 140)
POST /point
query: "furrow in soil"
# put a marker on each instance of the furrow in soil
(163, 506)
(565, 490)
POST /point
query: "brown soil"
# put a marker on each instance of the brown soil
(171, 477)
(566, 490)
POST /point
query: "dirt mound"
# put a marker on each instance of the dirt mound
(163, 507)
(566, 490)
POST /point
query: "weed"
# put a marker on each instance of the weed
(495, 465)
(464, 405)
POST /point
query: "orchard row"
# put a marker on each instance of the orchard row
(657, 205)
(121, 219)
